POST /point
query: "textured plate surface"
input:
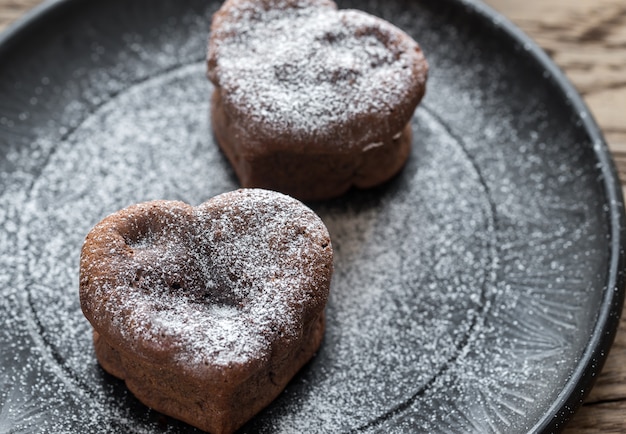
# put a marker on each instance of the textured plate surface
(478, 291)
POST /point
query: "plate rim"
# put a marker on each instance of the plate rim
(592, 359)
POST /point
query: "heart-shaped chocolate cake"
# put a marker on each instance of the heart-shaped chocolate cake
(311, 100)
(207, 312)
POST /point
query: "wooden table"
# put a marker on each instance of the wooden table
(587, 39)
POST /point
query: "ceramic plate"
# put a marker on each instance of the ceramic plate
(478, 291)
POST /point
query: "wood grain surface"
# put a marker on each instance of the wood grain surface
(587, 39)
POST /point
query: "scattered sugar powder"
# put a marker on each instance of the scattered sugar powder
(216, 285)
(465, 289)
(312, 69)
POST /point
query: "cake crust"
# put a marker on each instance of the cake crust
(207, 312)
(303, 88)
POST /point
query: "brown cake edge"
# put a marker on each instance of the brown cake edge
(304, 173)
(216, 407)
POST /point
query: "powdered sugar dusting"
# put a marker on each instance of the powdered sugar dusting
(214, 285)
(464, 292)
(310, 70)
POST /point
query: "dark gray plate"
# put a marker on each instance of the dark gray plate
(478, 291)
